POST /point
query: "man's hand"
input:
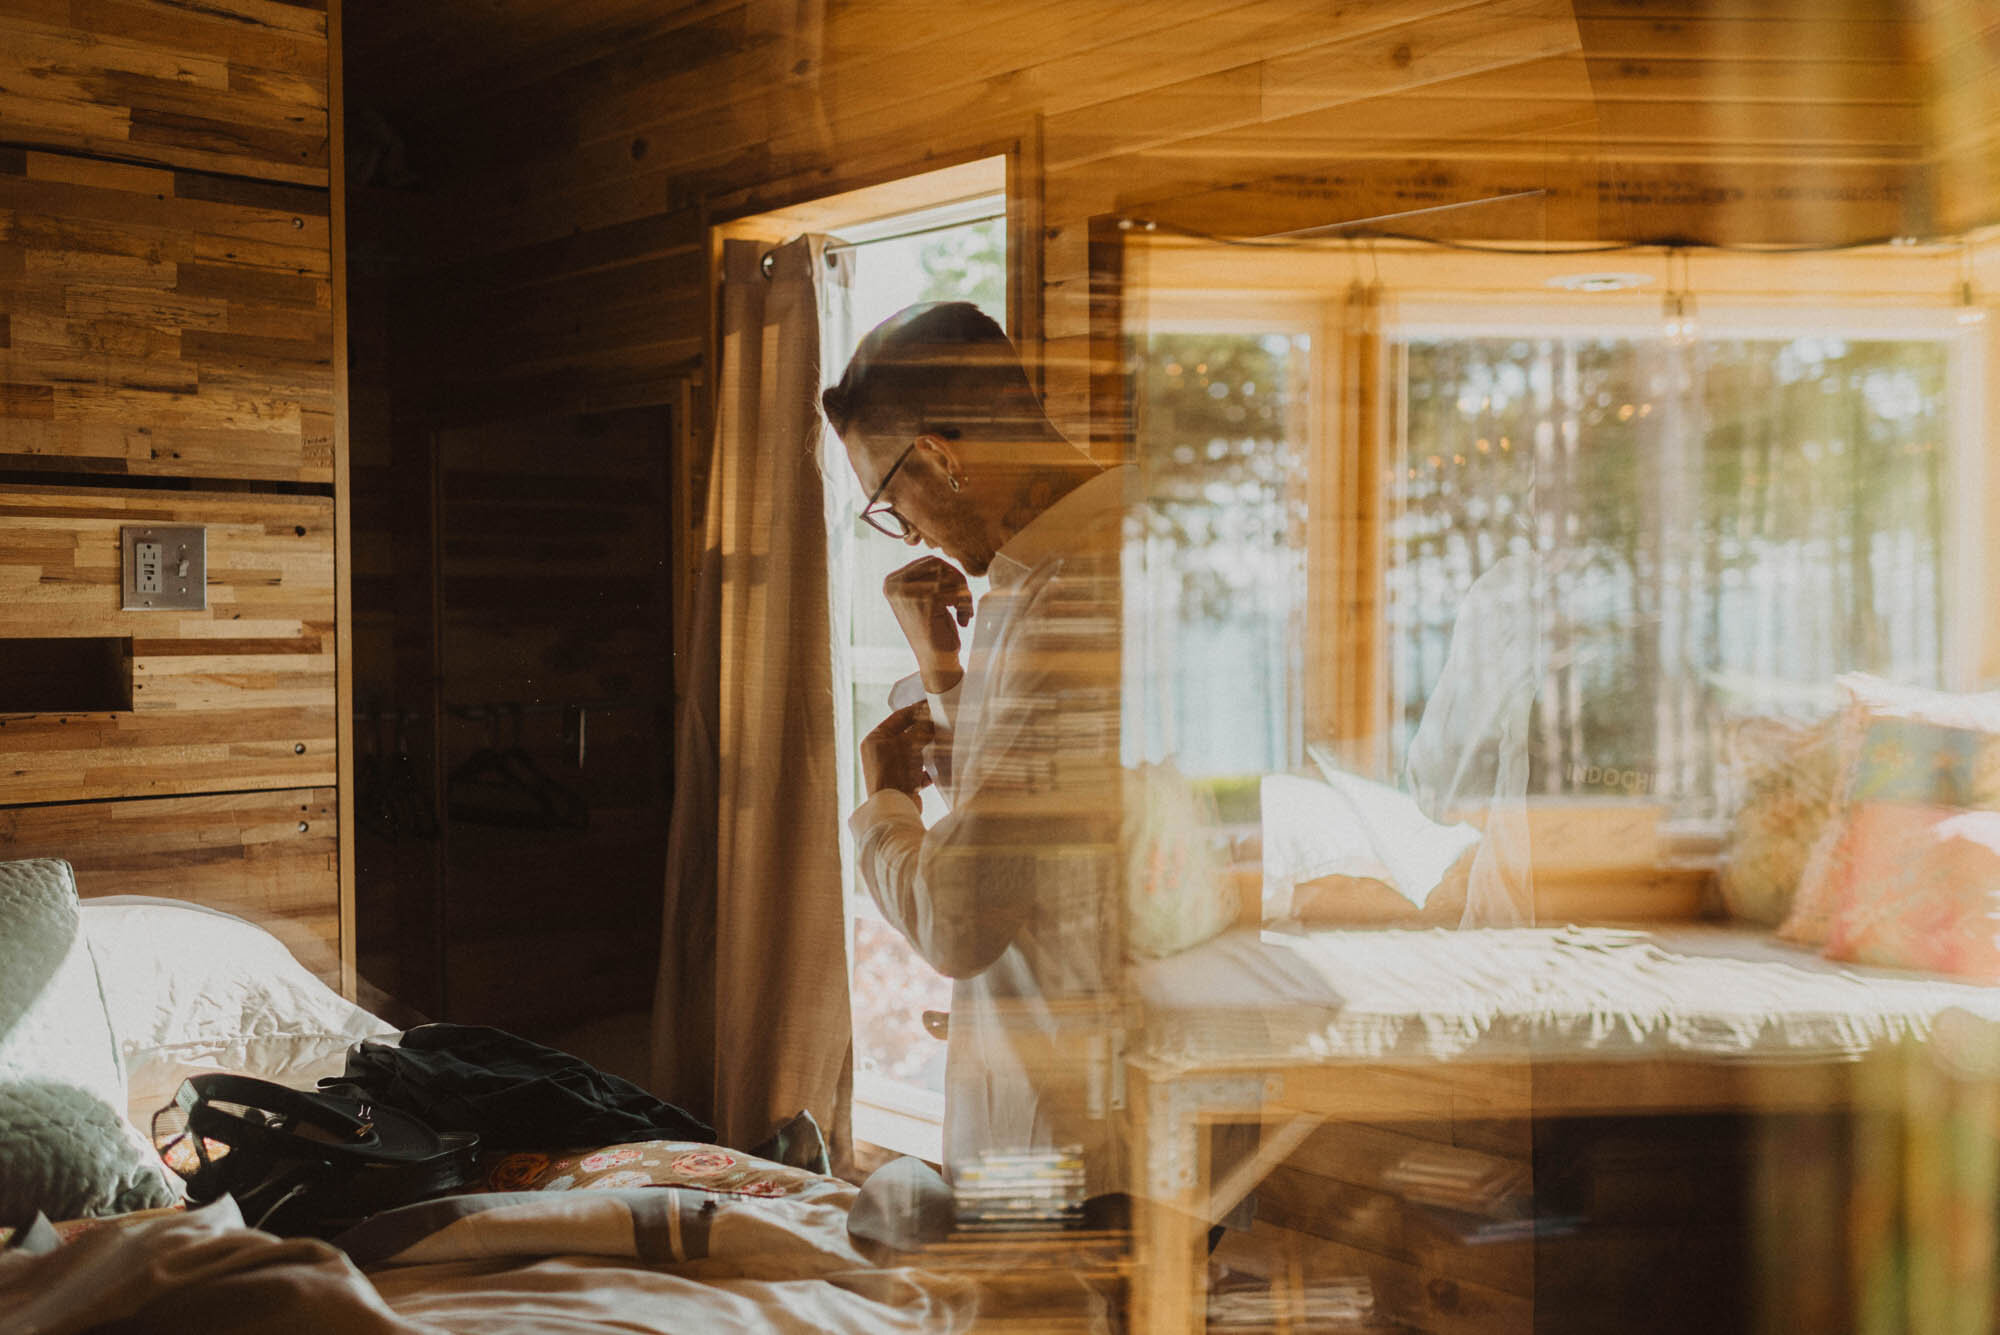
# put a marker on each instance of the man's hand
(892, 756)
(931, 601)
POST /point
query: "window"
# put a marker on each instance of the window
(1216, 581)
(1724, 522)
(956, 252)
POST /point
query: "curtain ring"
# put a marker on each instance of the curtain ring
(769, 264)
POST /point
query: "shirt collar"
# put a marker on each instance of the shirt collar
(1044, 535)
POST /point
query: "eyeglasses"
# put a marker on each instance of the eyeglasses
(885, 520)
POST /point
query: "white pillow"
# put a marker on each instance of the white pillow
(190, 989)
(1348, 826)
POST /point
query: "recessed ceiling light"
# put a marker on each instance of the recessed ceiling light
(1599, 282)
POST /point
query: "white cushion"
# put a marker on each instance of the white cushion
(62, 1085)
(189, 989)
(52, 1015)
(1348, 826)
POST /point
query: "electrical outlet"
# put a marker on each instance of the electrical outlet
(146, 559)
(165, 568)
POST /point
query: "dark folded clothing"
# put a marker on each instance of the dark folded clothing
(515, 1094)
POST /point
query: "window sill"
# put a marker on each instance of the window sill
(899, 1118)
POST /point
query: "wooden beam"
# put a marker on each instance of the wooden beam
(343, 509)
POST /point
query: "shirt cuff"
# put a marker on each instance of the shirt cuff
(944, 704)
(887, 806)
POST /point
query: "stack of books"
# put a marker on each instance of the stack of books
(1020, 1191)
(1253, 1304)
(1459, 1180)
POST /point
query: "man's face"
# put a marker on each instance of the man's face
(937, 516)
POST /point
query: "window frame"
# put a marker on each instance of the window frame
(887, 1113)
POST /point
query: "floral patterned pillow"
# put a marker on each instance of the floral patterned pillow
(647, 1163)
(1784, 773)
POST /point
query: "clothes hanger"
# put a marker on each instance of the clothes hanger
(565, 807)
(506, 786)
(410, 797)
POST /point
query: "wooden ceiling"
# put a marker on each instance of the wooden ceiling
(402, 55)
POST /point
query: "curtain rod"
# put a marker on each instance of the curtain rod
(914, 231)
(835, 247)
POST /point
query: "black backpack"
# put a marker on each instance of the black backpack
(304, 1163)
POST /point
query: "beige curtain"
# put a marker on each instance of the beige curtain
(750, 1019)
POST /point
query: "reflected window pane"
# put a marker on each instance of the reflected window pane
(1215, 570)
(1724, 527)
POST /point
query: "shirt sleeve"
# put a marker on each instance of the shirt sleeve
(944, 705)
(937, 756)
(1026, 838)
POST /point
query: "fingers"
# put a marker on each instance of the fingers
(910, 716)
(910, 726)
(927, 575)
(890, 754)
(932, 587)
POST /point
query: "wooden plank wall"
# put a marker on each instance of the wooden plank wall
(231, 86)
(1961, 51)
(239, 696)
(266, 856)
(164, 323)
(168, 314)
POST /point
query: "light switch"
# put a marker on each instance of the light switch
(165, 568)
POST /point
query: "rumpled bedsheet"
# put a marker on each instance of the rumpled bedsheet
(667, 1260)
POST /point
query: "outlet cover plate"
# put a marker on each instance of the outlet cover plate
(164, 567)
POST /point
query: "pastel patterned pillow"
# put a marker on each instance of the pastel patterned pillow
(1784, 773)
(1921, 890)
(1176, 895)
(649, 1163)
(1894, 744)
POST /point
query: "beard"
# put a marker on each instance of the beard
(964, 538)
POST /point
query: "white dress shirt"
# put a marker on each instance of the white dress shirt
(1014, 892)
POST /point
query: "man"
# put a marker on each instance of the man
(1013, 894)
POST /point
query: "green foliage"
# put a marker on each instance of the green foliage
(1221, 453)
(967, 264)
(1236, 797)
(1803, 468)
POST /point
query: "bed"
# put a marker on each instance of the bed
(1289, 1029)
(106, 1005)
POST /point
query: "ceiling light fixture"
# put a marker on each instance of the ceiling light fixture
(1599, 282)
